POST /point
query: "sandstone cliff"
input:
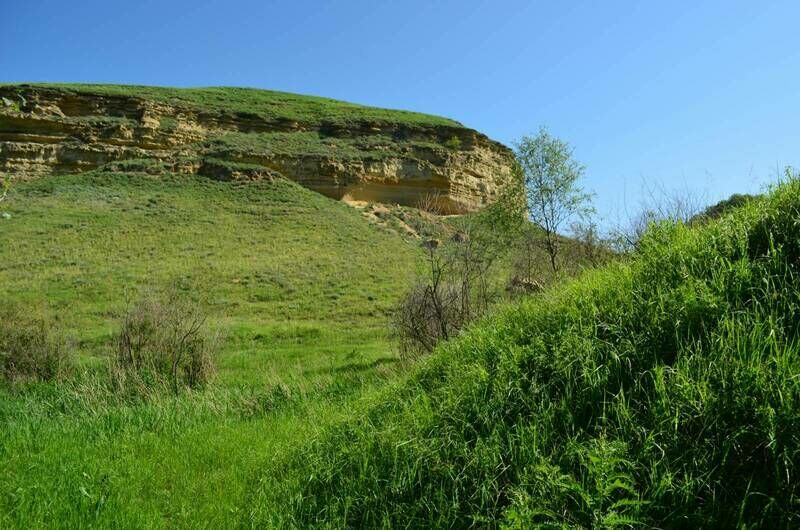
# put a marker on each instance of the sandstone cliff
(342, 150)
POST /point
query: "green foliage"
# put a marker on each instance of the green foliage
(164, 341)
(502, 222)
(261, 253)
(551, 179)
(301, 286)
(32, 347)
(12, 104)
(310, 144)
(604, 496)
(454, 143)
(737, 200)
(663, 391)
(168, 124)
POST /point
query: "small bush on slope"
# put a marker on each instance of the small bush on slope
(661, 392)
(31, 347)
(164, 341)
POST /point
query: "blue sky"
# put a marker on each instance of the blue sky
(690, 95)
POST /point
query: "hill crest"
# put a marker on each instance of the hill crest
(340, 149)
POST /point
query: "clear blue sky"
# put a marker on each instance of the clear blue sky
(697, 95)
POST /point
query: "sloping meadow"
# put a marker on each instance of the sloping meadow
(663, 391)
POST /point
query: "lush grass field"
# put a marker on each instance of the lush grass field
(659, 392)
(299, 284)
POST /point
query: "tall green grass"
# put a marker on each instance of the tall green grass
(300, 284)
(663, 391)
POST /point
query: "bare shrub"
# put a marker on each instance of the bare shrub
(433, 310)
(458, 284)
(31, 347)
(527, 255)
(164, 341)
(431, 203)
(531, 268)
(455, 289)
(594, 250)
(659, 205)
(427, 316)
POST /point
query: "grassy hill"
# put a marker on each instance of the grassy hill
(340, 149)
(300, 285)
(659, 392)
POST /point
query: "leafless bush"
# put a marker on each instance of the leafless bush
(659, 205)
(31, 347)
(594, 249)
(164, 341)
(453, 291)
(531, 269)
(427, 315)
(528, 255)
(457, 284)
(431, 203)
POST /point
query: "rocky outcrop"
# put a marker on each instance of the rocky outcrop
(49, 130)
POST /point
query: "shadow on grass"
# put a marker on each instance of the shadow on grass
(353, 367)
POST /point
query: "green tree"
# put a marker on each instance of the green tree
(551, 181)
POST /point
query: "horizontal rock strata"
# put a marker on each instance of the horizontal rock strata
(54, 130)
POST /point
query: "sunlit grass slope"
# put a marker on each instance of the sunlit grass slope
(276, 262)
(299, 284)
(663, 391)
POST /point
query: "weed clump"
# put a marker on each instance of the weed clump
(164, 341)
(31, 347)
(453, 143)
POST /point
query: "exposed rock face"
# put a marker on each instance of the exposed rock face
(47, 130)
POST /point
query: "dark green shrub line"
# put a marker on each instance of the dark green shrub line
(659, 392)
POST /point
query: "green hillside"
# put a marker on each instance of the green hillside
(659, 392)
(299, 284)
